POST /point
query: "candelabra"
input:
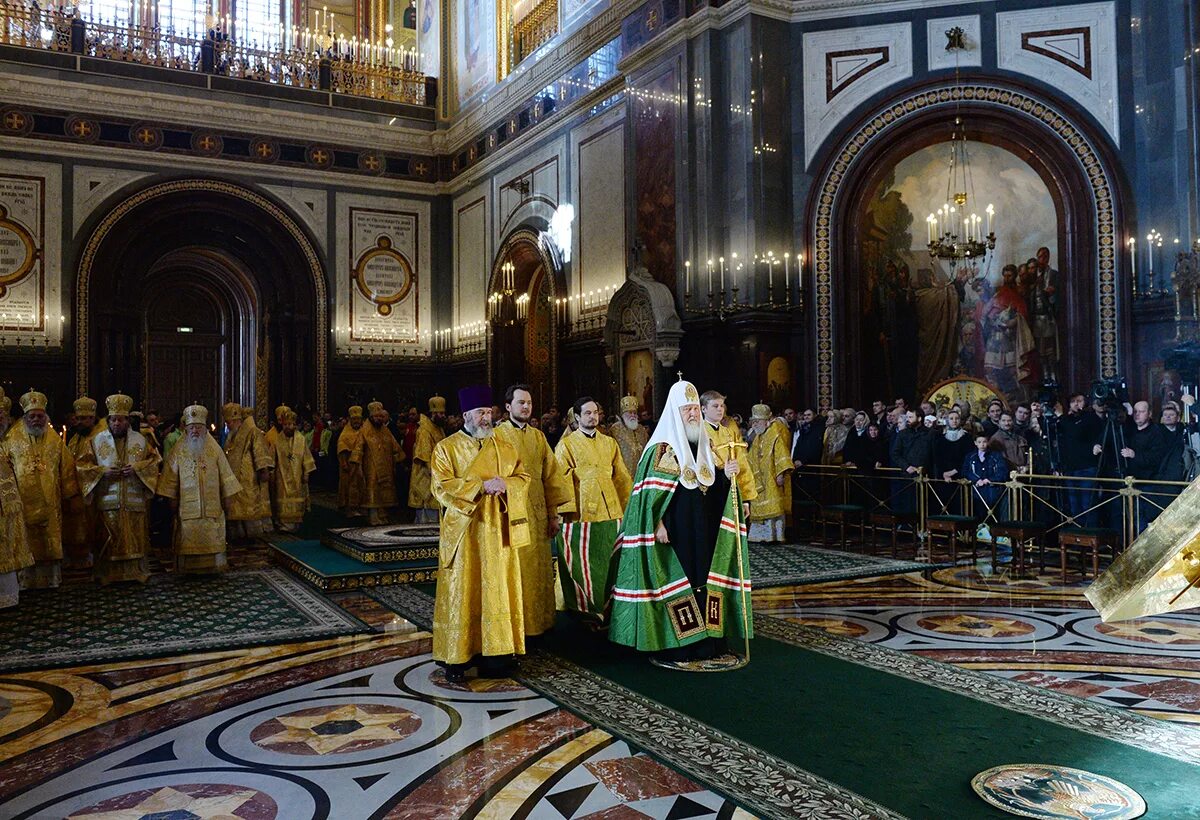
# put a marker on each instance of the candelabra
(721, 303)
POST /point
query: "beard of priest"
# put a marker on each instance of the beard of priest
(681, 585)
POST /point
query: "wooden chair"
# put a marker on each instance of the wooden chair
(1083, 539)
(892, 520)
(844, 514)
(952, 526)
(1020, 533)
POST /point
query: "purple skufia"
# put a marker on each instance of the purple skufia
(474, 396)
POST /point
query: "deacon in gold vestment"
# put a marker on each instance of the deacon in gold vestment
(548, 489)
(484, 545)
(273, 430)
(14, 545)
(630, 433)
(248, 513)
(117, 475)
(352, 487)
(289, 482)
(601, 488)
(430, 430)
(45, 473)
(198, 480)
(378, 453)
(83, 530)
(726, 440)
(771, 462)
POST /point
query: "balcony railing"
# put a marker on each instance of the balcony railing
(332, 66)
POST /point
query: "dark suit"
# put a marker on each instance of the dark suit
(994, 468)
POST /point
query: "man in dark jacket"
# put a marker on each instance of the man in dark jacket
(807, 443)
(1078, 432)
(987, 471)
(949, 450)
(1146, 446)
(912, 453)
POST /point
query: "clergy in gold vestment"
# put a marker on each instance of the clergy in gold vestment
(484, 544)
(548, 489)
(378, 453)
(771, 462)
(727, 441)
(46, 477)
(14, 545)
(117, 475)
(289, 482)
(197, 479)
(273, 430)
(601, 486)
(83, 530)
(249, 512)
(352, 487)
(631, 435)
(430, 430)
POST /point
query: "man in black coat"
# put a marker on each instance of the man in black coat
(1078, 432)
(950, 449)
(807, 443)
(1146, 446)
(912, 453)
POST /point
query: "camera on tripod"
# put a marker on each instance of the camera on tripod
(1047, 395)
(1112, 392)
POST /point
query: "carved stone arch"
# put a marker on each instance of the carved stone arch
(1075, 152)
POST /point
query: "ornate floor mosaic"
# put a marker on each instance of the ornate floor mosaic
(776, 565)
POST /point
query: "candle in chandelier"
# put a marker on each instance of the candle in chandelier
(710, 269)
(687, 277)
(1133, 257)
(721, 260)
(787, 279)
(1150, 255)
(770, 273)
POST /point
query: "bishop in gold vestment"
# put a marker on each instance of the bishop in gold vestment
(630, 433)
(378, 454)
(117, 475)
(484, 544)
(198, 480)
(289, 482)
(430, 430)
(592, 517)
(83, 530)
(771, 463)
(45, 472)
(352, 487)
(14, 545)
(249, 512)
(548, 489)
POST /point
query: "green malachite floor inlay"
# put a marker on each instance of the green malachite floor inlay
(170, 614)
(902, 731)
(778, 565)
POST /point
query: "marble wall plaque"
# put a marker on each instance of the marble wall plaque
(30, 253)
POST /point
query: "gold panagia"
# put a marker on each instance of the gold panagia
(420, 491)
(769, 458)
(483, 550)
(548, 490)
(199, 482)
(597, 473)
(289, 483)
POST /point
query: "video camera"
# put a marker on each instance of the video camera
(1048, 395)
(1112, 392)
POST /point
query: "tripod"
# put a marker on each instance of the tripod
(1114, 435)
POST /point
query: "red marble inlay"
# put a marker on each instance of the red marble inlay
(616, 813)
(187, 800)
(1181, 693)
(1075, 688)
(472, 684)
(639, 778)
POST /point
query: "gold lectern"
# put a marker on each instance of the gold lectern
(1160, 572)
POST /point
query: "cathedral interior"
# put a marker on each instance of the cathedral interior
(320, 208)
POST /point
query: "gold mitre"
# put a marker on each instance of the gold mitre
(195, 414)
(33, 400)
(247, 411)
(280, 410)
(760, 411)
(1160, 572)
(373, 406)
(118, 404)
(288, 415)
(232, 412)
(629, 404)
(355, 411)
(84, 406)
(437, 404)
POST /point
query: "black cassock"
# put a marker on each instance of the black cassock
(693, 521)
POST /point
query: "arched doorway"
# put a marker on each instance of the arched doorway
(523, 316)
(201, 290)
(1076, 167)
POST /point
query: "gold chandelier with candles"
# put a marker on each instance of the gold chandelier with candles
(505, 306)
(955, 232)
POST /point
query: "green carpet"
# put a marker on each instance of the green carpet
(169, 615)
(778, 565)
(906, 745)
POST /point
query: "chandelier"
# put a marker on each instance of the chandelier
(955, 232)
(505, 307)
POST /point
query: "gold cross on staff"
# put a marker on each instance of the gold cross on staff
(729, 445)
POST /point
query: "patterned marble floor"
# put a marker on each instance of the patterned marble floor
(1032, 630)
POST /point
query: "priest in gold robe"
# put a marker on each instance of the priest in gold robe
(352, 487)
(248, 514)
(378, 453)
(548, 489)
(45, 472)
(601, 486)
(430, 430)
(14, 544)
(289, 481)
(727, 442)
(771, 463)
(198, 481)
(631, 435)
(484, 546)
(117, 476)
(83, 530)
(273, 430)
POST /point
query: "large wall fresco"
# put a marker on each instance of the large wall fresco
(928, 320)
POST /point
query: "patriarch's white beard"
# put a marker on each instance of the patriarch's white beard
(693, 430)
